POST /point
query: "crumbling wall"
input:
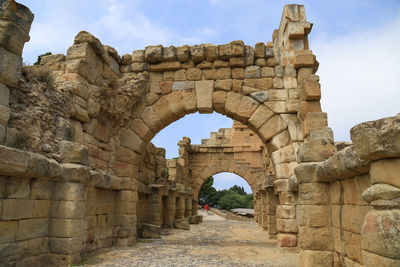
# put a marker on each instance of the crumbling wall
(359, 187)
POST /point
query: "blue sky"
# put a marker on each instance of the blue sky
(355, 41)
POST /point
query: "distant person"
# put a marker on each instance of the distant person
(206, 207)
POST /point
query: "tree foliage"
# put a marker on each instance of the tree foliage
(39, 58)
(234, 197)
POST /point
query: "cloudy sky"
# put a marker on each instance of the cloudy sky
(356, 42)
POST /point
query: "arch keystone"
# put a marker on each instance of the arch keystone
(204, 94)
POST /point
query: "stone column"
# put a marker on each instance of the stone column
(195, 204)
(15, 29)
(125, 217)
(67, 224)
(273, 201)
(180, 212)
(171, 207)
(188, 207)
(155, 215)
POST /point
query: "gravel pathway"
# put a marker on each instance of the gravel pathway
(214, 242)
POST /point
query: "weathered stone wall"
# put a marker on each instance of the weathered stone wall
(78, 171)
(359, 187)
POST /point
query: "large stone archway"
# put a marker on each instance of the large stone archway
(78, 171)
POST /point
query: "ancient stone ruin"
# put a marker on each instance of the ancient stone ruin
(78, 171)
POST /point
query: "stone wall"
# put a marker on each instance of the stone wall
(78, 171)
(348, 204)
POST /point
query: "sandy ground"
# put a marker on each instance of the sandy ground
(215, 242)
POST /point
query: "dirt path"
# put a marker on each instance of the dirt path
(214, 242)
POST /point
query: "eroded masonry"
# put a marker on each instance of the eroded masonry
(78, 171)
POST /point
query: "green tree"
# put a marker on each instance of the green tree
(208, 194)
(232, 200)
(39, 58)
(238, 189)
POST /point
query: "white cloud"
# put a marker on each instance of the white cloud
(360, 78)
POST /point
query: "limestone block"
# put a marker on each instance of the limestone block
(320, 133)
(221, 64)
(261, 62)
(261, 96)
(182, 224)
(193, 74)
(204, 95)
(10, 68)
(259, 50)
(41, 208)
(310, 90)
(189, 101)
(8, 230)
(306, 172)
(205, 65)
(14, 209)
(150, 231)
(41, 189)
(252, 72)
(381, 191)
(277, 95)
(225, 85)
(65, 227)
(285, 170)
(294, 126)
(17, 188)
(65, 245)
(304, 60)
(272, 127)
(287, 240)
(277, 83)
(68, 191)
(246, 108)
(268, 72)
(4, 95)
(197, 53)
(237, 48)
(153, 54)
(225, 51)
(262, 83)
(224, 73)
(32, 228)
(380, 233)
(249, 55)
(315, 150)
(211, 52)
(286, 211)
(183, 53)
(314, 120)
(280, 140)
(289, 82)
(74, 152)
(151, 119)
(386, 171)
(311, 238)
(178, 86)
(13, 161)
(232, 103)
(315, 258)
(165, 66)
(287, 225)
(137, 67)
(308, 106)
(210, 74)
(236, 62)
(169, 54)
(313, 194)
(246, 90)
(313, 215)
(131, 140)
(377, 139)
(371, 260)
(219, 99)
